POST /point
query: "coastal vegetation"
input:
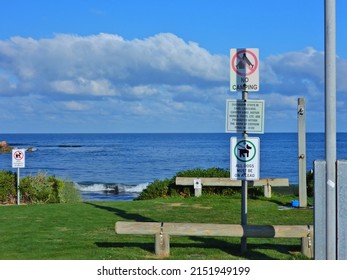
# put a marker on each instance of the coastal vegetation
(36, 189)
(49, 189)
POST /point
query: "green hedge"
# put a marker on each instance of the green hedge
(36, 189)
(156, 189)
(8, 181)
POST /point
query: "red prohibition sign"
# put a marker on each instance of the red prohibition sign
(18, 155)
(240, 58)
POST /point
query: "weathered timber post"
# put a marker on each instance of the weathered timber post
(302, 152)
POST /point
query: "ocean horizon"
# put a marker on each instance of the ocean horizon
(100, 162)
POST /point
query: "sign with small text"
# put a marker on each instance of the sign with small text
(18, 158)
(245, 116)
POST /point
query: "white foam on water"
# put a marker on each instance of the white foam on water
(101, 187)
(137, 189)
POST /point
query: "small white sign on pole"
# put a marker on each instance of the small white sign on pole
(245, 116)
(18, 158)
(244, 158)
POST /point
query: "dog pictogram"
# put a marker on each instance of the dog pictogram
(244, 151)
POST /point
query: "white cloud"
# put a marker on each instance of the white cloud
(84, 86)
(99, 64)
(161, 76)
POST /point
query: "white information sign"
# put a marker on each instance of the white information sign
(18, 158)
(244, 158)
(244, 69)
(245, 116)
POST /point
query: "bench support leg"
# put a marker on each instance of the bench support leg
(267, 191)
(162, 245)
(197, 192)
(307, 247)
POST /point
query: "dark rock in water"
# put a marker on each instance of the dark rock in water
(5, 148)
(111, 189)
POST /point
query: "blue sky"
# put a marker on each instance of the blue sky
(160, 66)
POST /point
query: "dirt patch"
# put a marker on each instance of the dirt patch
(177, 204)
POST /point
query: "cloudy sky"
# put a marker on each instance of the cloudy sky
(160, 66)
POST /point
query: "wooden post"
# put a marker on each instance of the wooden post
(302, 153)
(267, 190)
(162, 245)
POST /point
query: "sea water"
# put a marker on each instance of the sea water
(99, 164)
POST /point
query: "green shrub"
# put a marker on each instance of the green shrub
(36, 189)
(68, 193)
(8, 186)
(210, 172)
(39, 189)
(44, 189)
(154, 190)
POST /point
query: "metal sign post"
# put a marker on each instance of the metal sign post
(18, 190)
(244, 192)
(18, 161)
(244, 76)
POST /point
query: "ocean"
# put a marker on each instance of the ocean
(98, 163)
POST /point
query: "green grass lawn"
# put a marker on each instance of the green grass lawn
(85, 231)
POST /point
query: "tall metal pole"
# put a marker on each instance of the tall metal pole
(330, 125)
(244, 210)
(18, 190)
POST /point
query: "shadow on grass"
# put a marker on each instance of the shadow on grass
(123, 214)
(234, 248)
(231, 248)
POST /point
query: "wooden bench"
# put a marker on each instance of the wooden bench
(267, 183)
(163, 231)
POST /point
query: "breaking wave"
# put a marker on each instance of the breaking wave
(109, 191)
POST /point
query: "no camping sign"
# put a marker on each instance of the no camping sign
(244, 69)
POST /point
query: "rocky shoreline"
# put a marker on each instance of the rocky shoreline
(5, 148)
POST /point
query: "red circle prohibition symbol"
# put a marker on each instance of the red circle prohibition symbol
(18, 155)
(250, 69)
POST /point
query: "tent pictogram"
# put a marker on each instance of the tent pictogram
(244, 62)
(242, 65)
